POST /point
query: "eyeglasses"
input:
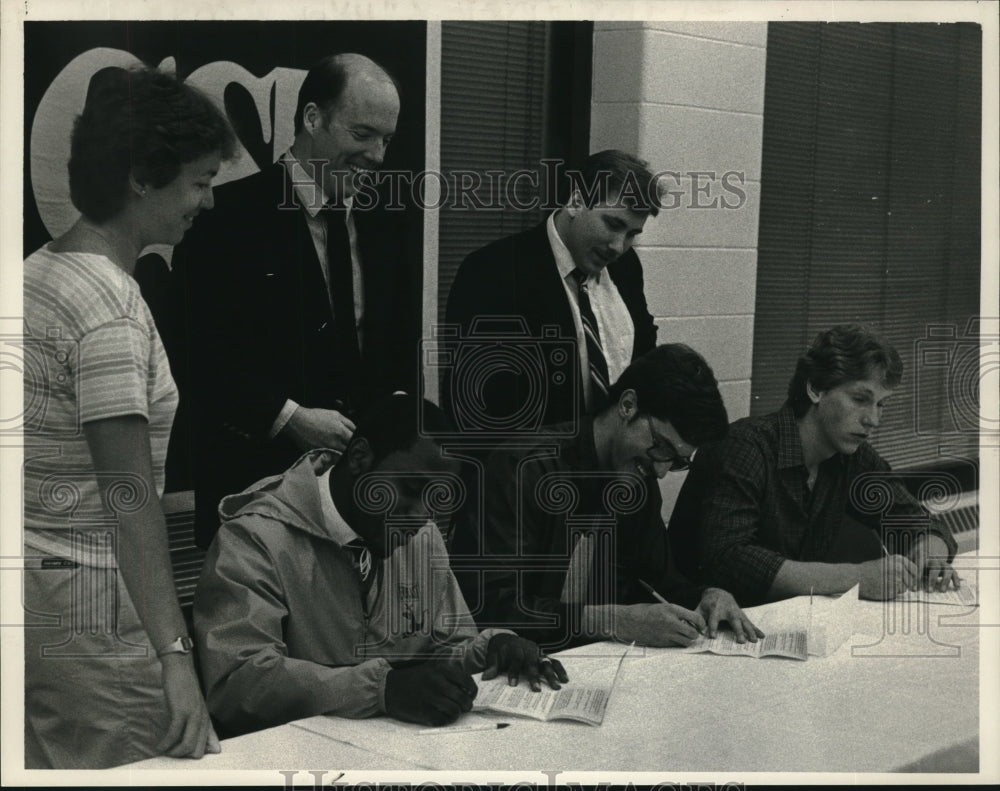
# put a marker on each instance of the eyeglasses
(663, 450)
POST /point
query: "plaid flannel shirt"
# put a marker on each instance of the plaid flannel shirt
(756, 510)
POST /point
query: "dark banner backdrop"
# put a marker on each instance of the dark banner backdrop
(253, 68)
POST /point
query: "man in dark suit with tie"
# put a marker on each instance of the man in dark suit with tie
(293, 297)
(577, 272)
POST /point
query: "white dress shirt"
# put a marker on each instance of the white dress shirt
(312, 200)
(613, 320)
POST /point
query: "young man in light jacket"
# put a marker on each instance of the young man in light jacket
(328, 591)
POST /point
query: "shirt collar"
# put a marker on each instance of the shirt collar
(339, 530)
(311, 198)
(789, 441)
(564, 259)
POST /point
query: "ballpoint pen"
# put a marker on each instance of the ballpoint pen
(655, 594)
(486, 726)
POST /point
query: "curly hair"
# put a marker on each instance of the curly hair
(398, 421)
(844, 353)
(142, 122)
(673, 382)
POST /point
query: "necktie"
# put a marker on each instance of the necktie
(338, 256)
(598, 374)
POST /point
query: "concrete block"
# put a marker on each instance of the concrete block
(736, 396)
(705, 212)
(618, 65)
(726, 342)
(685, 139)
(615, 126)
(699, 282)
(753, 34)
(678, 69)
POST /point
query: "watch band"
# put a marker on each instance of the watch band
(182, 645)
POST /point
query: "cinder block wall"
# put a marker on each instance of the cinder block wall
(689, 98)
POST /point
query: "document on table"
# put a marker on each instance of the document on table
(831, 621)
(966, 596)
(793, 644)
(583, 703)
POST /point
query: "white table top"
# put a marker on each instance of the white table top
(901, 694)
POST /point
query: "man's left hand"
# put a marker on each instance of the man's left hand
(717, 605)
(517, 657)
(930, 556)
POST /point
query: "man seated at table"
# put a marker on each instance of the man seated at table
(765, 507)
(327, 589)
(573, 544)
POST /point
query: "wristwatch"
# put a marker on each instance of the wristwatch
(182, 645)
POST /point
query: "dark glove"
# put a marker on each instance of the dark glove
(430, 693)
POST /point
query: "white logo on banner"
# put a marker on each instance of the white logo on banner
(64, 99)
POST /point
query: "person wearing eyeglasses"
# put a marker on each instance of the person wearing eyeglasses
(572, 547)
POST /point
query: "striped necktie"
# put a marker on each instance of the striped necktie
(595, 353)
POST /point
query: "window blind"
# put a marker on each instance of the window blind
(512, 93)
(870, 212)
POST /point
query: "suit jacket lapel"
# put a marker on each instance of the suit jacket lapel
(296, 248)
(544, 291)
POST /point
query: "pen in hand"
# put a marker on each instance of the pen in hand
(887, 555)
(653, 592)
(656, 595)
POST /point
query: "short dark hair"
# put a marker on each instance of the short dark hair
(398, 421)
(324, 85)
(611, 174)
(139, 121)
(844, 353)
(673, 382)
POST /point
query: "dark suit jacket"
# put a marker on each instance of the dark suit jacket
(517, 276)
(253, 327)
(513, 564)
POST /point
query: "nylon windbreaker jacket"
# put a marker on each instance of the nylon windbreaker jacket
(281, 628)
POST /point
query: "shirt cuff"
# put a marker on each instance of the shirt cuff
(474, 651)
(282, 419)
(382, 668)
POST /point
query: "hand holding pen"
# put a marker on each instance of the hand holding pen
(662, 624)
(930, 555)
(887, 577)
(716, 606)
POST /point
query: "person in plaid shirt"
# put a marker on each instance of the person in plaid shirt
(762, 510)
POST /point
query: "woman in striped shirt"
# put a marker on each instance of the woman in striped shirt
(109, 677)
